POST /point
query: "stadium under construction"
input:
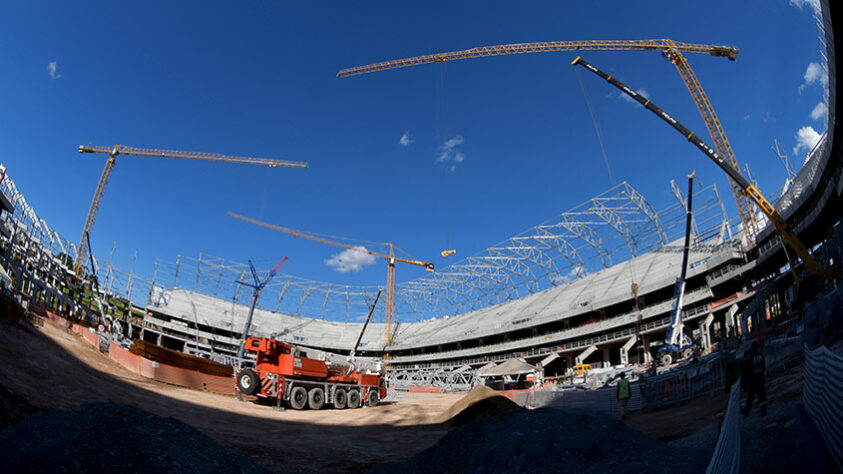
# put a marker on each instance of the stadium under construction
(593, 286)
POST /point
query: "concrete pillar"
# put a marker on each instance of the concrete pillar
(607, 357)
(705, 333)
(730, 317)
(645, 342)
(625, 349)
(584, 354)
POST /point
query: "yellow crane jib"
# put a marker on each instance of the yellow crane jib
(390, 258)
(672, 50)
(114, 151)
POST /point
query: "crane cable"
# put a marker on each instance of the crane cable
(442, 134)
(633, 283)
(596, 127)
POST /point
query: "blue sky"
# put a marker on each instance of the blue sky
(258, 79)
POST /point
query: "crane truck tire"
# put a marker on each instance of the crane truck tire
(353, 399)
(247, 382)
(372, 399)
(339, 398)
(666, 359)
(298, 398)
(316, 398)
(687, 353)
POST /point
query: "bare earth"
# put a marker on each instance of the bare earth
(56, 370)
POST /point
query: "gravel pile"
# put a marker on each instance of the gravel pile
(550, 440)
(481, 402)
(107, 437)
(14, 409)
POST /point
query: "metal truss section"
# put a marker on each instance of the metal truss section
(448, 380)
(594, 235)
(569, 246)
(610, 228)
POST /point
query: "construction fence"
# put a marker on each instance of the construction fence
(727, 452)
(684, 383)
(604, 400)
(822, 396)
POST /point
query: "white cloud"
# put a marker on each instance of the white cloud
(813, 73)
(813, 4)
(819, 111)
(746, 117)
(350, 260)
(447, 153)
(52, 68)
(626, 98)
(405, 139)
(806, 138)
(577, 271)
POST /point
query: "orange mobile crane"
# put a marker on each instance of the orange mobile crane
(390, 259)
(670, 49)
(112, 153)
(285, 373)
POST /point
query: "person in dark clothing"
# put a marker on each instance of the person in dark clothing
(754, 380)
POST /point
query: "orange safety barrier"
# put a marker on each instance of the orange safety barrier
(186, 378)
(151, 369)
(125, 358)
(169, 374)
(91, 338)
(56, 318)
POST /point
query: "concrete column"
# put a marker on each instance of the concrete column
(705, 333)
(625, 349)
(584, 354)
(645, 342)
(607, 357)
(730, 317)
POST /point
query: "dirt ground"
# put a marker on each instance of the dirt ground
(55, 370)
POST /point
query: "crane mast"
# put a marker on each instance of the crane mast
(747, 189)
(670, 49)
(113, 152)
(390, 258)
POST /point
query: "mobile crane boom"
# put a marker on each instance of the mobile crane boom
(748, 189)
(675, 331)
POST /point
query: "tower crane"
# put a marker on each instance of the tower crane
(116, 150)
(747, 188)
(670, 49)
(390, 258)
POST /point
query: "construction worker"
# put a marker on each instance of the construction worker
(754, 380)
(623, 394)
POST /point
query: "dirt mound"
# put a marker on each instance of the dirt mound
(480, 403)
(107, 437)
(549, 440)
(14, 409)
